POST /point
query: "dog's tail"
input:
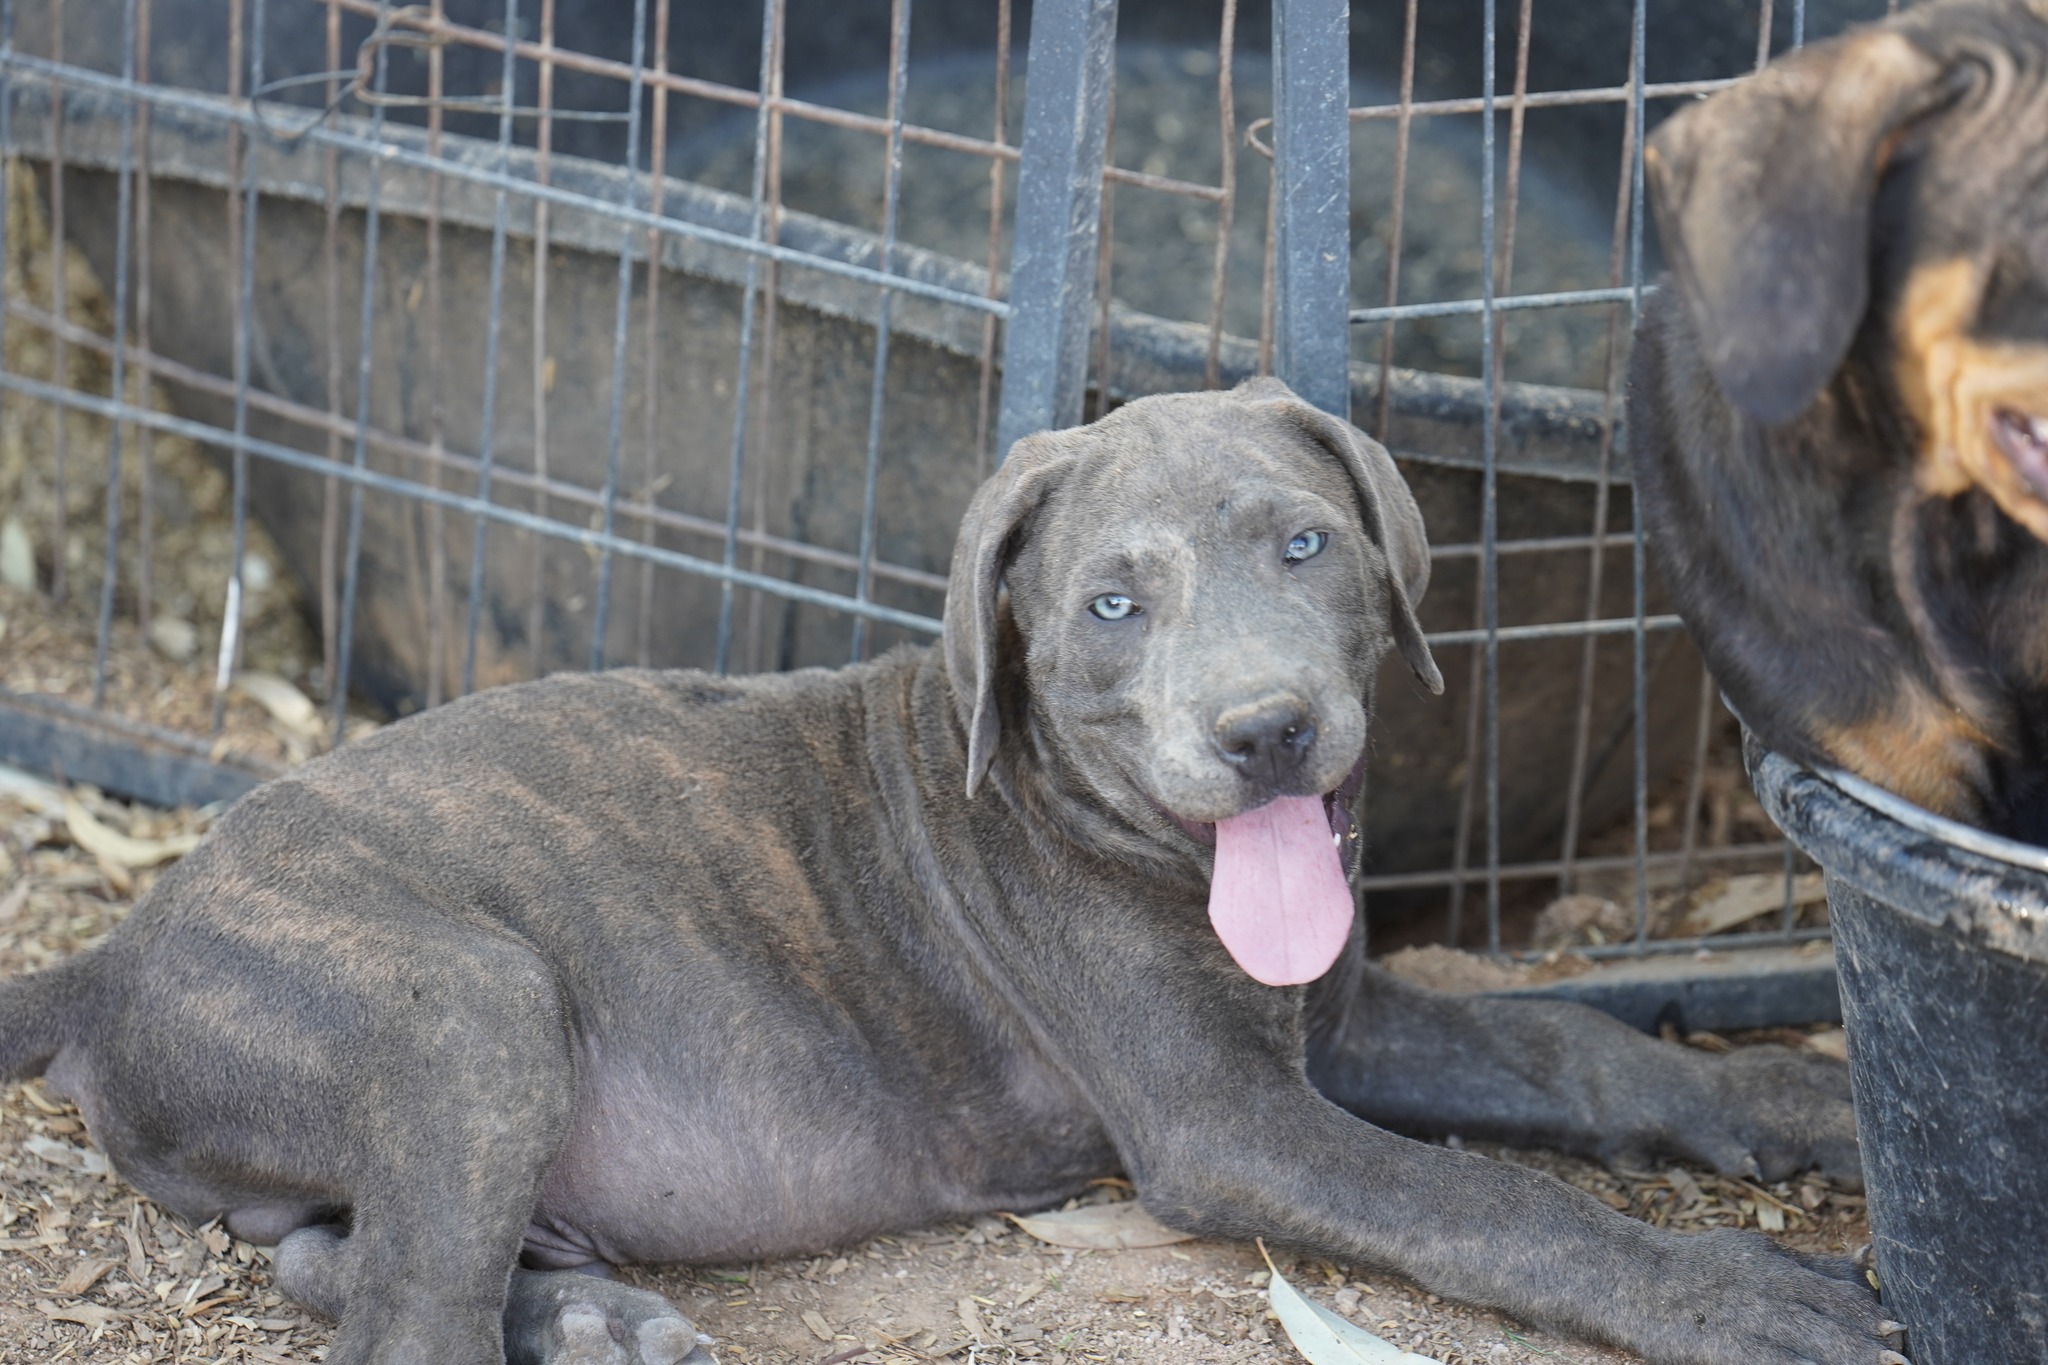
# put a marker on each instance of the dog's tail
(38, 1015)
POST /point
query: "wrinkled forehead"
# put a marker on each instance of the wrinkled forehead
(1977, 181)
(1981, 173)
(1977, 241)
(1158, 463)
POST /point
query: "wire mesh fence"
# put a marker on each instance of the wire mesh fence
(393, 352)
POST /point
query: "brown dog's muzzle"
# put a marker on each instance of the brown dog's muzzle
(1982, 405)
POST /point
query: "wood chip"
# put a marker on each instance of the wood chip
(36, 1243)
(1741, 899)
(200, 1289)
(82, 1277)
(64, 1154)
(84, 1314)
(1830, 1043)
(11, 903)
(138, 1264)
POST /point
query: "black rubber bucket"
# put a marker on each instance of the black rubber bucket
(1941, 939)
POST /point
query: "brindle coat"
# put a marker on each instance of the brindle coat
(661, 966)
(1830, 405)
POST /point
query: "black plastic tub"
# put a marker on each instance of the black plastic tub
(1941, 940)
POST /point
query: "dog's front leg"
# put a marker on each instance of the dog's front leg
(1265, 1155)
(1555, 1074)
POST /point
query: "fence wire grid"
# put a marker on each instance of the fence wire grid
(530, 336)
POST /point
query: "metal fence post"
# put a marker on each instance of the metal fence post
(1059, 216)
(1312, 179)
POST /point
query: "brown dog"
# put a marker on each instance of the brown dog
(667, 967)
(1839, 407)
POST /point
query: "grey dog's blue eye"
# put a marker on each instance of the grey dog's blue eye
(1114, 606)
(1307, 545)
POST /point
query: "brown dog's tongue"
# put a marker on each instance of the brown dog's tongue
(1278, 897)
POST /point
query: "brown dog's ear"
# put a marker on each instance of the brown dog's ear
(1391, 517)
(980, 554)
(1763, 198)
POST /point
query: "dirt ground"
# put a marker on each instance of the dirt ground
(92, 1272)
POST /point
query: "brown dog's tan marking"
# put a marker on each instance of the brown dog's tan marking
(1922, 749)
(1954, 383)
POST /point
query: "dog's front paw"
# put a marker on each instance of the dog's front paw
(1790, 1112)
(1763, 1112)
(561, 1317)
(1740, 1299)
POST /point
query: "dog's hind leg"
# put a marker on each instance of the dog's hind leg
(564, 1317)
(552, 1317)
(453, 1118)
(461, 1101)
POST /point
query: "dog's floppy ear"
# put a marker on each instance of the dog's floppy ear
(1391, 517)
(980, 554)
(1763, 197)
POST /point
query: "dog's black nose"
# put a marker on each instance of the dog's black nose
(1267, 740)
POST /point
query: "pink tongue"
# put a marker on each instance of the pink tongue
(1278, 897)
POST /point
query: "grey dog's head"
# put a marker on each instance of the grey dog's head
(1185, 604)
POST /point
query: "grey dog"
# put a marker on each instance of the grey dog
(667, 967)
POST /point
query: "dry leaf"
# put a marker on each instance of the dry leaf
(1740, 899)
(45, 798)
(100, 841)
(1322, 1337)
(820, 1328)
(287, 705)
(39, 1242)
(35, 1096)
(82, 1277)
(1102, 1227)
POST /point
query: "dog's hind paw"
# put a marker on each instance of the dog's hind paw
(561, 1317)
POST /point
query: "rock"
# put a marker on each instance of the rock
(176, 640)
